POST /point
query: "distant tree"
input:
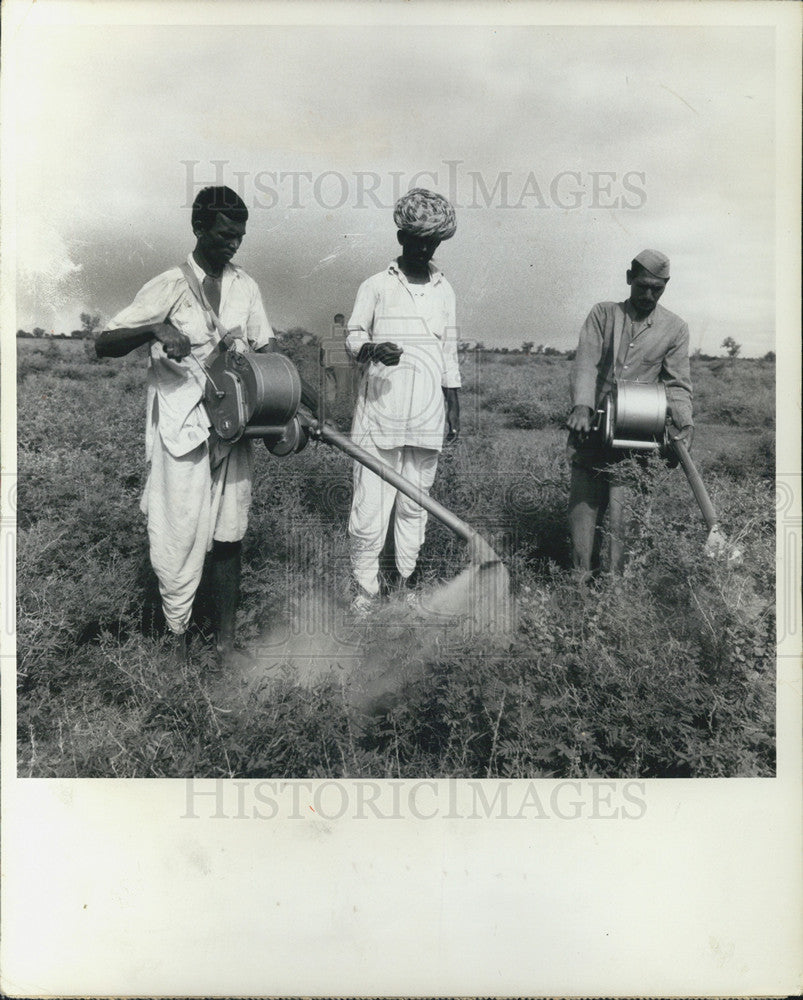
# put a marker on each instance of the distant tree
(539, 349)
(569, 355)
(24, 333)
(89, 324)
(296, 335)
(479, 346)
(731, 347)
(527, 346)
(39, 332)
(550, 352)
(769, 356)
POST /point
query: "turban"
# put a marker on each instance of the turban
(655, 262)
(425, 213)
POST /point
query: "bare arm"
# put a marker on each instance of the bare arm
(118, 343)
(452, 413)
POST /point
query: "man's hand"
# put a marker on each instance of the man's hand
(176, 345)
(682, 434)
(385, 353)
(452, 415)
(580, 419)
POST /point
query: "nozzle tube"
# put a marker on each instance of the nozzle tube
(480, 550)
(696, 483)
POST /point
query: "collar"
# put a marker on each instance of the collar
(228, 271)
(640, 323)
(435, 273)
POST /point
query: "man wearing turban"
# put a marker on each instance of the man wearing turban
(632, 341)
(403, 335)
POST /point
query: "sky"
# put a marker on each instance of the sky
(566, 150)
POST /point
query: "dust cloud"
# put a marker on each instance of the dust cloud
(373, 659)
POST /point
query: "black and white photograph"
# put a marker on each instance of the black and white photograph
(401, 422)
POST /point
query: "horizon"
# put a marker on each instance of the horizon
(465, 346)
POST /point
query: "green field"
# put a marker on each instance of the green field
(668, 672)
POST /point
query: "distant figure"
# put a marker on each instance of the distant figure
(340, 376)
(632, 341)
(198, 490)
(403, 333)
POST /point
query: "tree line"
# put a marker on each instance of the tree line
(90, 324)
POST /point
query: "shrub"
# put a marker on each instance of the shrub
(741, 394)
(533, 396)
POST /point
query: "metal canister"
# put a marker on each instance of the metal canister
(252, 394)
(272, 386)
(635, 416)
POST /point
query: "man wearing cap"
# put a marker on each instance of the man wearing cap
(632, 341)
(198, 491)
(403, 333)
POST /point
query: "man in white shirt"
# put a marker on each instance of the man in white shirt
(403, 332)
(197, 495)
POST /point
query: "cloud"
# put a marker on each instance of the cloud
(113, 115)
(48, 277)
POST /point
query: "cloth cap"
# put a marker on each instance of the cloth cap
(425, 213)
(655, 262)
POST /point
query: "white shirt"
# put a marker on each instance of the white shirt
(175, 388)
(403, 405)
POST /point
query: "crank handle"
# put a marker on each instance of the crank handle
(219, 393)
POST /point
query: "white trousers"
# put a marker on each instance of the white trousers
(188, 505)
(371, 507)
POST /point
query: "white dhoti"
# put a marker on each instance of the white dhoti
(188, 506)
(371, 507)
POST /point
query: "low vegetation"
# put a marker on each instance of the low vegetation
(669, 671)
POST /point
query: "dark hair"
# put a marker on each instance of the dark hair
(339, 317)
(212, 201)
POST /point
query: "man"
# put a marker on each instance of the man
(339, 376)
(632, 341)
(403, 332)
(198, 490)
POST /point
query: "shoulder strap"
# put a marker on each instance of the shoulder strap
(212, 320)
